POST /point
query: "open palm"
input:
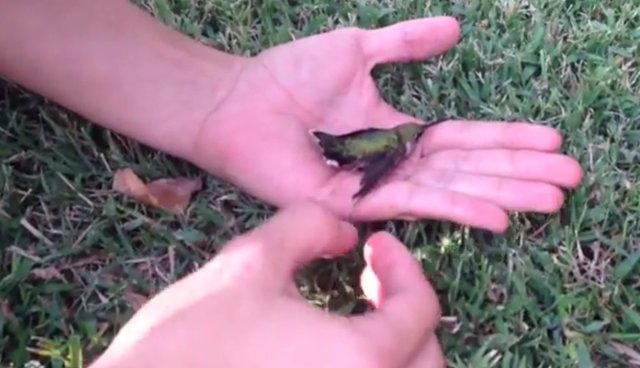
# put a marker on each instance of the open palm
(463, 171)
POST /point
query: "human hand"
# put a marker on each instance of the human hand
(462, 171)
(242, 309)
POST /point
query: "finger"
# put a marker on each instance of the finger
(298, 234)
(539, 166)
(407, 307)
(430, 355)
(411, 40)
(509, 194)
(459, 134)
(404, 199)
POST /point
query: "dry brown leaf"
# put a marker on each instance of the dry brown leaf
(628, 352)
(135, 300)
(170, 194)
(47, 273)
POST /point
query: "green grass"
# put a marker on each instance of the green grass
(556, 291)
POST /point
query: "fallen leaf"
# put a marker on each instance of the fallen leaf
(628, 352)
(135, 300)
(170, 194)
(47, 273)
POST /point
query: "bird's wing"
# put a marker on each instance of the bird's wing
(375, 169)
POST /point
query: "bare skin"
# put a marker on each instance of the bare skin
(243, 310)
(124, 70)
(117, 66)
(469, 172)
(246, 120)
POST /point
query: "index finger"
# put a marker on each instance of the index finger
(459, 134)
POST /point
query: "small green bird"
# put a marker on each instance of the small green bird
(373, 151)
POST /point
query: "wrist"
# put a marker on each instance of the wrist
(124, 70)
(193, 85)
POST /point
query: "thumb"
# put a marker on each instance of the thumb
(411, 40)
(407, 307)
(297, 235)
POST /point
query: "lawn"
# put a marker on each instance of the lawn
(555, 291)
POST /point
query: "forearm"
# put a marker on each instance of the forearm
(115, 65)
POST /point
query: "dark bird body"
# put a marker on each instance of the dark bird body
(373, 151)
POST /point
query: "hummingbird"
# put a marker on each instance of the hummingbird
(373, 151)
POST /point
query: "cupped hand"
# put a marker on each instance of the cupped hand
(468, 172)
(242, 309)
